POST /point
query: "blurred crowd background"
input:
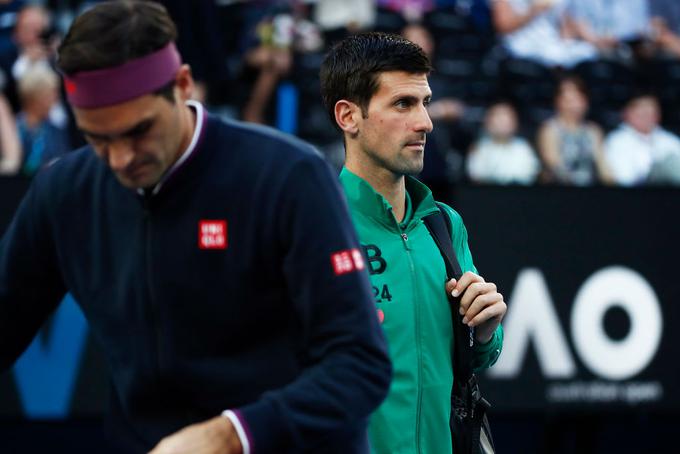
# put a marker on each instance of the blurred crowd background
(568, 92)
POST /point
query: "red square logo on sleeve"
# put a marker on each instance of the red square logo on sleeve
(212, 234)
(347, 261)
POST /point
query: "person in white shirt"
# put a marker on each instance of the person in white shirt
(606, 24)
(536, 30)
(500, 156)
(638, 150)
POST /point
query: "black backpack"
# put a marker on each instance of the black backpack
(470, 430)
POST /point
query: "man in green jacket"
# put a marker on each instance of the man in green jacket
(376, 91)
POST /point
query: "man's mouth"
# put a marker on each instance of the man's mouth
(133, 172)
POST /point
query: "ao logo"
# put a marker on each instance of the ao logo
(531, 317)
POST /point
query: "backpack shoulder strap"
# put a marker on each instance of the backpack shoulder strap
(440, 228)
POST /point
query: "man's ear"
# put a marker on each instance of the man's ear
(347, 116)
(184, 82)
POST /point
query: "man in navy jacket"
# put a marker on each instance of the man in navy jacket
(215, 261)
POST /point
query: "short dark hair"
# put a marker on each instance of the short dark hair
(642, 92)
(574, 80)
(352, 67)
(112, 33)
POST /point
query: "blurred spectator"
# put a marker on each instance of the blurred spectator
(571, 146)
(35, 39)
(609, 26)
(500, 156)
(275, 28)
(665, 25)
(17, 27)
(8, 19)
(410, 10)
(339, 18)
(268, 34)
(536, 30)
(10, 147)
(41, 140)
(640, 151)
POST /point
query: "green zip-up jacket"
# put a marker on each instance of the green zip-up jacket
(408, 277)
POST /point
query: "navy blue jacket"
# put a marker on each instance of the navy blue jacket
(268, 326)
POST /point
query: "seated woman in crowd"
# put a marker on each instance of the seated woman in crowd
(500, 156)
(571, 146)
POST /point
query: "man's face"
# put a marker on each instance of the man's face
(501, 122)
(393, 133)
(571, 101)
(30, 24)
(643, 114)
(39, 102)
(139, 139)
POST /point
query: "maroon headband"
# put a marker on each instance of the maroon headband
(141, 76)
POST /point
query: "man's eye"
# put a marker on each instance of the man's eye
(140, 131)
(402, 104)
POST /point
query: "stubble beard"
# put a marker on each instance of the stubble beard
(402, 161)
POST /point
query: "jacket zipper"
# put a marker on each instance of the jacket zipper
(153, 313)
(419, 396)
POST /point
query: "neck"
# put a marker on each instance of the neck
(503, 140)
(188, 123)
(389, 185)
(569, 122)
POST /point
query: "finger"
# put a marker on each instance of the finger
(482, 301)
(496, 310)
(464, 281)
(162, 446)
(157, 449)
(450, 285)
(473, 291)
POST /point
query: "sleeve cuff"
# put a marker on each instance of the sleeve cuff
(492, 348)
(240, 430)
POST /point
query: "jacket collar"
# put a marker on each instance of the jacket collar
(364, 199)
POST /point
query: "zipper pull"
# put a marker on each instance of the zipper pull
(404, 238)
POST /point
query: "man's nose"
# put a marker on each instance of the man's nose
(120, 154)
(423, 122)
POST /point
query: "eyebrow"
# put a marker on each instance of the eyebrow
(410, 98)
(138, 129)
